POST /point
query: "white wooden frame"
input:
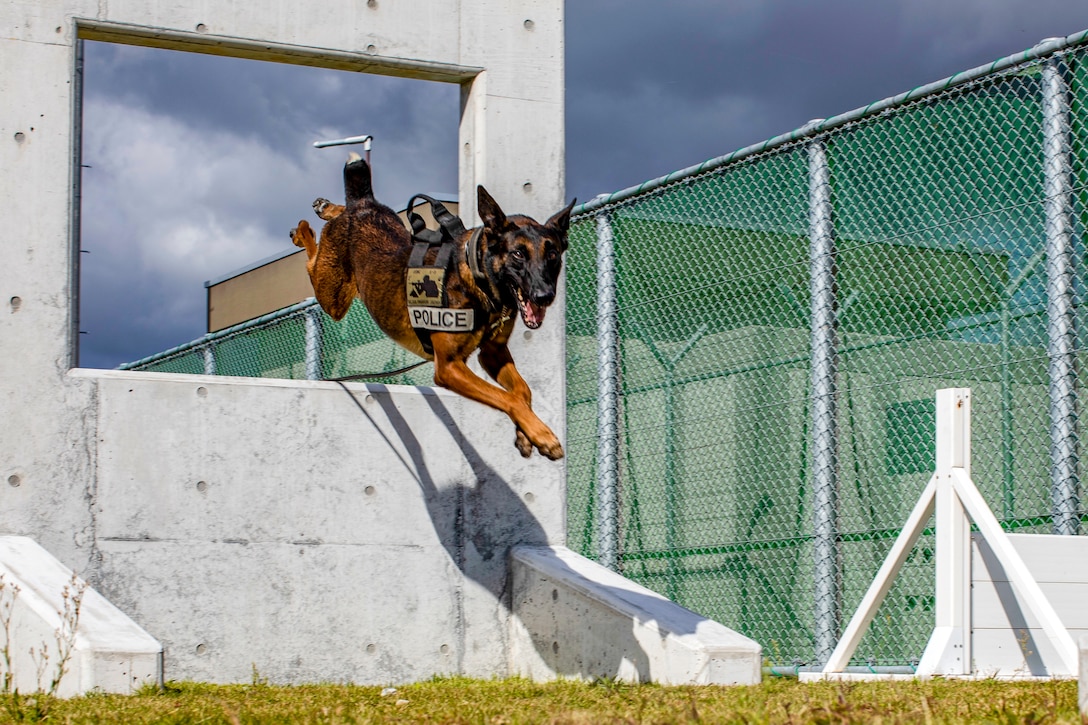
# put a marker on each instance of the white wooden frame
(957, 502)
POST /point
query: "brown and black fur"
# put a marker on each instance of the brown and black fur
(364, 251)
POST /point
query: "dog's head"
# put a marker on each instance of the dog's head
(525, 257)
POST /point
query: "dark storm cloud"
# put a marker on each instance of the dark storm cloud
(271, 101)
(655, 88)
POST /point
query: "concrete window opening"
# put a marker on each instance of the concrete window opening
(194, 169)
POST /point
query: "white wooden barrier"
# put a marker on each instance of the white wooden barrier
(1006, 605)
(1082, 685)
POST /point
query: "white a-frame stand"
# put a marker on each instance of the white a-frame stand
(954, 496)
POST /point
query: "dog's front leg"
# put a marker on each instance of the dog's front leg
(496, 360)
(452, 372)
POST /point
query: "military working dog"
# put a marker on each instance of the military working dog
(509, 265)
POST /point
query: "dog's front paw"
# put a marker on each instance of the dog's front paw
(549, 446)
(543, 439)
(523, 444)
(554, 451)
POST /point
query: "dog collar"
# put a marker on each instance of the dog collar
(473, 252)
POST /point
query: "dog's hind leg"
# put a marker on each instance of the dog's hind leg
(334, 290)
(327, 210)
(303, 236)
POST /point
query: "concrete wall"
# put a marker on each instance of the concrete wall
(316, 533)
(273, 523)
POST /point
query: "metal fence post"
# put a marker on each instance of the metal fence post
(209, 359)
(1057, 172)
(608, 376)
(313, 343)
(824, 430)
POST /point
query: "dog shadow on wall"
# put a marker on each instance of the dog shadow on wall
(478, 523)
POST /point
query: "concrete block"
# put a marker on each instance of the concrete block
(109, 653)
(383, 516)
(575, 618)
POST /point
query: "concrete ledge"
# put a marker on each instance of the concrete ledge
(575, 618)
(111, 653)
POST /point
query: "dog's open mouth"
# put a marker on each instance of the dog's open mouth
(531, 314)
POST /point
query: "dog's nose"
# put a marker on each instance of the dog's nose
(542, 298)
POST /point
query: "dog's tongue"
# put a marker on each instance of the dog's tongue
(532, 315)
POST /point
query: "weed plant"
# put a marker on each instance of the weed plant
(50, 666)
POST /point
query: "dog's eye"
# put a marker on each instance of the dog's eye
(518, 254)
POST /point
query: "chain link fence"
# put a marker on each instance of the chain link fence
(299, 342)
(754, 344)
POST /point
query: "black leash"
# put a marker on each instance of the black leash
(379, 376)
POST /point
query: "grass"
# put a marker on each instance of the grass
(506, 702)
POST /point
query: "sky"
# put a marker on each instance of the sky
(198, 165)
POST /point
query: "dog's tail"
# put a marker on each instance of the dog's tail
(357, 185)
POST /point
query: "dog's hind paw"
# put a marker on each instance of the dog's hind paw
(325, 209)
(301, 233)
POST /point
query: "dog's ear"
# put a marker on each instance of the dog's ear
(490, 213)
(560, 223)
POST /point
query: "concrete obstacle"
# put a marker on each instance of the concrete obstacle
(299, 529)
(316, 533)
(574, 618)
(106, 651)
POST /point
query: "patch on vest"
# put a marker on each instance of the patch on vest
(444, 319)
(426, 287)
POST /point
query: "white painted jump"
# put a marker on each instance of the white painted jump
(1005, 604)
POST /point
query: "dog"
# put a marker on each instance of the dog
(364, 251)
